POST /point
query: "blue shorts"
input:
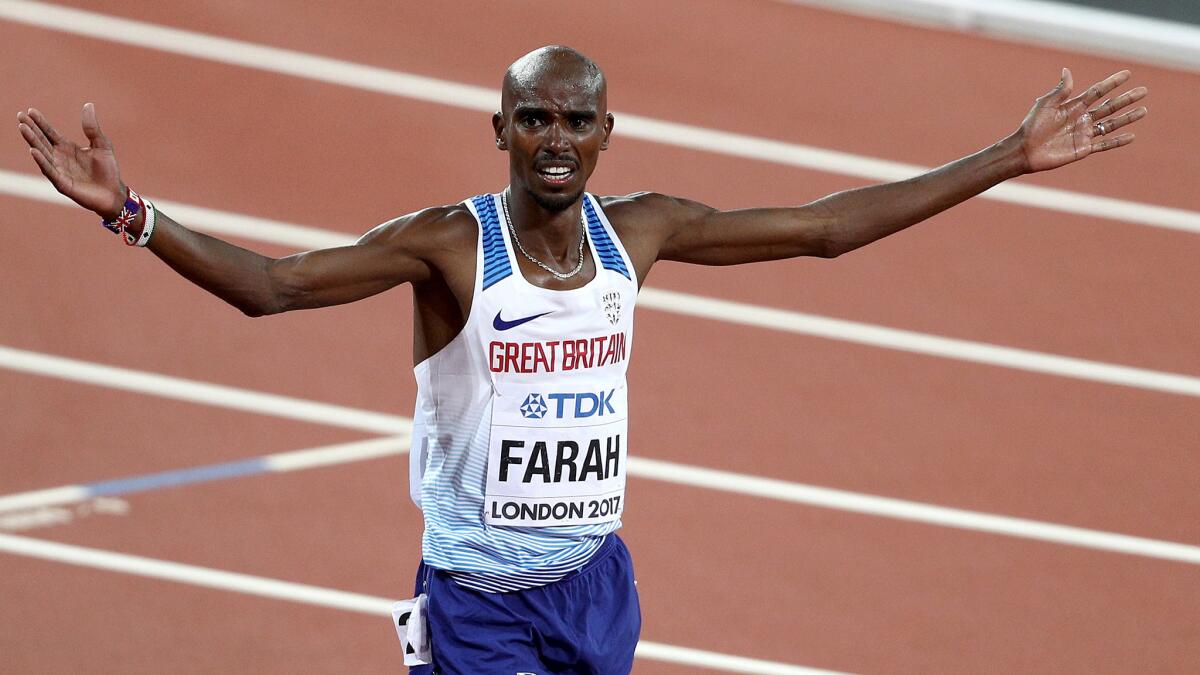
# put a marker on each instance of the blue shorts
(587, 622)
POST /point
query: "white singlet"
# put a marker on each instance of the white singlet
(520, 429)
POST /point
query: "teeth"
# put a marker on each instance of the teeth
(556, 171)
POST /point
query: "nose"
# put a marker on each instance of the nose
(557, 139)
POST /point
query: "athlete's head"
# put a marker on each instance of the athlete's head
(553, 123)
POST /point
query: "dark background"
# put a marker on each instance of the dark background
(1173, 10)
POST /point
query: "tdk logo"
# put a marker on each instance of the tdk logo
(534, 407)
(577, 406)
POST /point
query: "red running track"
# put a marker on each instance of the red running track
(804, 585)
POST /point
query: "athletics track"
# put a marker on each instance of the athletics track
(970, 448)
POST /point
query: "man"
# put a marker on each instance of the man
(523, 312)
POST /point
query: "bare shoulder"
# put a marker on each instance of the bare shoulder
(651, 209)
(644, 221)
(430, 230)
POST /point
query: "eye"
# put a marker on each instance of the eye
(580, 123)
(531, 122)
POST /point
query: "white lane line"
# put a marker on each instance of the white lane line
(919, 343)
(276, 589)
(282, 462)
(275, 232)
(1052, 24)
(193, 575)
(332, 455)
(651, 469)
(37, 188)
(686, 656)
(444, 92)
(217, 395)
(55, 516)
(929, 514)
(34, 499)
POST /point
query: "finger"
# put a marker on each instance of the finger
(48, 169)
(91, 128)
(33, 136)
(1112, 143)
(1113, 123)
(1116, 103)
(45, 127)
(1063, 89)
(1097, 91)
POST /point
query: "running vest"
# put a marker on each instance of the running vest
(520, 429)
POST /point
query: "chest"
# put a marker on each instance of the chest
(529, 331)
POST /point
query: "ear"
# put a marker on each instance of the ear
(608, 127)
(498, 127)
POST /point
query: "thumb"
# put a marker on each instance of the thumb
(1063, 90)
(91, 128)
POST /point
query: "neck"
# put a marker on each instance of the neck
(554, 233)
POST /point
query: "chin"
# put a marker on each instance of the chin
(555, 202)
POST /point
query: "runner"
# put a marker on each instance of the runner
(524, 302)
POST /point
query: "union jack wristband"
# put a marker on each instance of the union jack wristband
(142, 238)
(123, 224)
(132, 207)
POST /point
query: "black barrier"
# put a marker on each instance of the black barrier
(1185, 11)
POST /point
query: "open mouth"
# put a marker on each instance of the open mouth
(556, 174)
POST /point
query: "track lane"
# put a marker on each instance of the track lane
(332, 531)
(61, 433)
(989, 421)
(645, 467)
(351, 527)
(80, 620)
(861, 595)
(1168, 646)
(836, 578)
(992, 426)
(356, 355)
(986, 288)
(725, 51)
(915, 428)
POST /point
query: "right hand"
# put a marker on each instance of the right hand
(89, 176)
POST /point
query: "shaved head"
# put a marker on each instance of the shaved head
(553, 122)
(553, 63)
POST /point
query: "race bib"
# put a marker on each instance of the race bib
(556, 457)
(410, 619)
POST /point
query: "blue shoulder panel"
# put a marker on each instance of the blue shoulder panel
(610, 257)
(495, 257)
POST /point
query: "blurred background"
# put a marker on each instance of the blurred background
(971, 447)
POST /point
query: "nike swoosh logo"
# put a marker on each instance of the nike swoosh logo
(501, 324)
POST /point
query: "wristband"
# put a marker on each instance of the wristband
(142, 238)
(128, 214)
(123, 224)
(147, 224)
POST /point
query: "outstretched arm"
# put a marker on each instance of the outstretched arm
(1058, 130)
(255, 284)
(258, 285)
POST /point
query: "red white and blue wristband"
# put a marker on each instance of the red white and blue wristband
(124, 223)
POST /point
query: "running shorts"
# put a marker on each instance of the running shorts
(586, 623)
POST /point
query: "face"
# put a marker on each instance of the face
(553, 127)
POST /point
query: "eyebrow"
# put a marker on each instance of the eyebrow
(526, 110)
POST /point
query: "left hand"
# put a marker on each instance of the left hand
(1060, 130)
